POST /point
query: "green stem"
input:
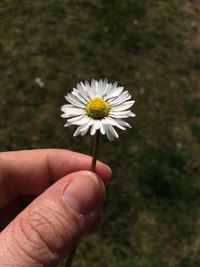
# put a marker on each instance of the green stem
(95, 151)
(93, 167)
(70, 258)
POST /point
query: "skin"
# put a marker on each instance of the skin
(40, 222)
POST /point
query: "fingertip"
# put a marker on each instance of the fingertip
(104, 172)
(96, 224)
(84, 192)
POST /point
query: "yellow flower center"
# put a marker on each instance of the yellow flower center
(97, 108)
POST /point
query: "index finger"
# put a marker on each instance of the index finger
(30, 172)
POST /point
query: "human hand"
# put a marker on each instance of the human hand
(67, 204)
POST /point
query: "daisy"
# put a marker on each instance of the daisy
(98, 106)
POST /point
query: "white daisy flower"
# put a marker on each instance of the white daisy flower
(98, 106)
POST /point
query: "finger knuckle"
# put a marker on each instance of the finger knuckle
(38, 238)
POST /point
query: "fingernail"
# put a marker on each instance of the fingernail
(83, 193)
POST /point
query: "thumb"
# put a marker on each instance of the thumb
(54, 222)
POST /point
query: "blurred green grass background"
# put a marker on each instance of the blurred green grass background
(152, 210)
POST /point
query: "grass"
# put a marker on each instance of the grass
(151, 47)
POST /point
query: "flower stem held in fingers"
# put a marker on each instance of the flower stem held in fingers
(93, 167)
(95, 151)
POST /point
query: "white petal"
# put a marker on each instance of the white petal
(107, 89)
(113, 122)
(79, 120)
(100, 89)
(85, 88)
(87, 124)
(112, 130)
(98, 124)
(82, 91)
(83, 121)
(111, 90)
(102, 128)
(88, 90)
(84, 128)
(69, 115)
(66, 124)
(123, 106)
(73, 100)
(123, 123)
(95, 126)
(71, 111)
(93, 129)
(121, 114)
(132, 114)
(77, 132)
(67, 106)
(76, 93)
(74, 119)
(122, 98)
(94, 86)
(108, 133)
(115, 93)
(84, 132)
